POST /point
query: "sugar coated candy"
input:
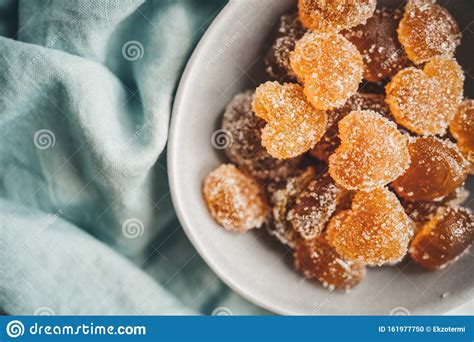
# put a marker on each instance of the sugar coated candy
(427, 30)
(317, 259)
(314, 206)
(375, 231)
(462, 129)
(334, 15)
(277, 61)
(425, 101)
(372, 152)
(377, 41)
(330, 67)
(443, 239)
(243, 146)
(359, 101)
(437, 169)
(423, 211)
(293, 125)
(281, 193)
(234, 199)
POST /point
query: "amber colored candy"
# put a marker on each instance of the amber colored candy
(330, 67)
(437, 168)
(234, 199)
(242, 134)
(334, 15)
(443, 239)
(377, 41)
(427, 30)
(293, 125)
(425, 101)
(462, 129)
(375, 231)
(281, 193)
(315, 205)
(277, 60)
(359, 101)
(317, 259)
(423, 211)
(372, 152)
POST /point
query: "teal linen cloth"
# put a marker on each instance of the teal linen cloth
(86, 220)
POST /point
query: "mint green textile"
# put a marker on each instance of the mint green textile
(86, 220)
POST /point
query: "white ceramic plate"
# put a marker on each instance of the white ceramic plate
(228, 60)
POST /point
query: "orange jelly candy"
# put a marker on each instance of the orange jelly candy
(293, 125)
(437, 168)
(443, 239)
(317, 259)
(315, 205)
(277, 61)
(234, 199)
(241, 139)
(334, 15)
(359, 101)
(330, 67)
(462, 129)
(425, 101)
(375, 231)
(427, 30)
(372, 152)
(281, 193)
(377, 41)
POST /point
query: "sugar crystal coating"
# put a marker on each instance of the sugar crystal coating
(462, 129)
(315, 205)
(427, 30)
(425, 101)
(293, 125)
(377, 41)
(277, 61)
(246, 149)
(330, 67)
(334, 15)
(437, 168)
(372, 152)
(317, 259)
(234, 199)
(375, 231)
(359, 101)
(423, 211)
(443, 239)
(281, 193)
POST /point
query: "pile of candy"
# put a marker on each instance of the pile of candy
(345, 178)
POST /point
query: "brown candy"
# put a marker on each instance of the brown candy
(359, 101)
(243, 147)
(315, 205)
(422, 211)
(317, 259)
(277, 61)
(437, 168)
(234, 199)
(425, 101)
(330, 67)
(334, 15)
(375, 231)
(372, 152)
(427, 30)
(293, 125)
(282, 192)
(377, 41)
(443, 239)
